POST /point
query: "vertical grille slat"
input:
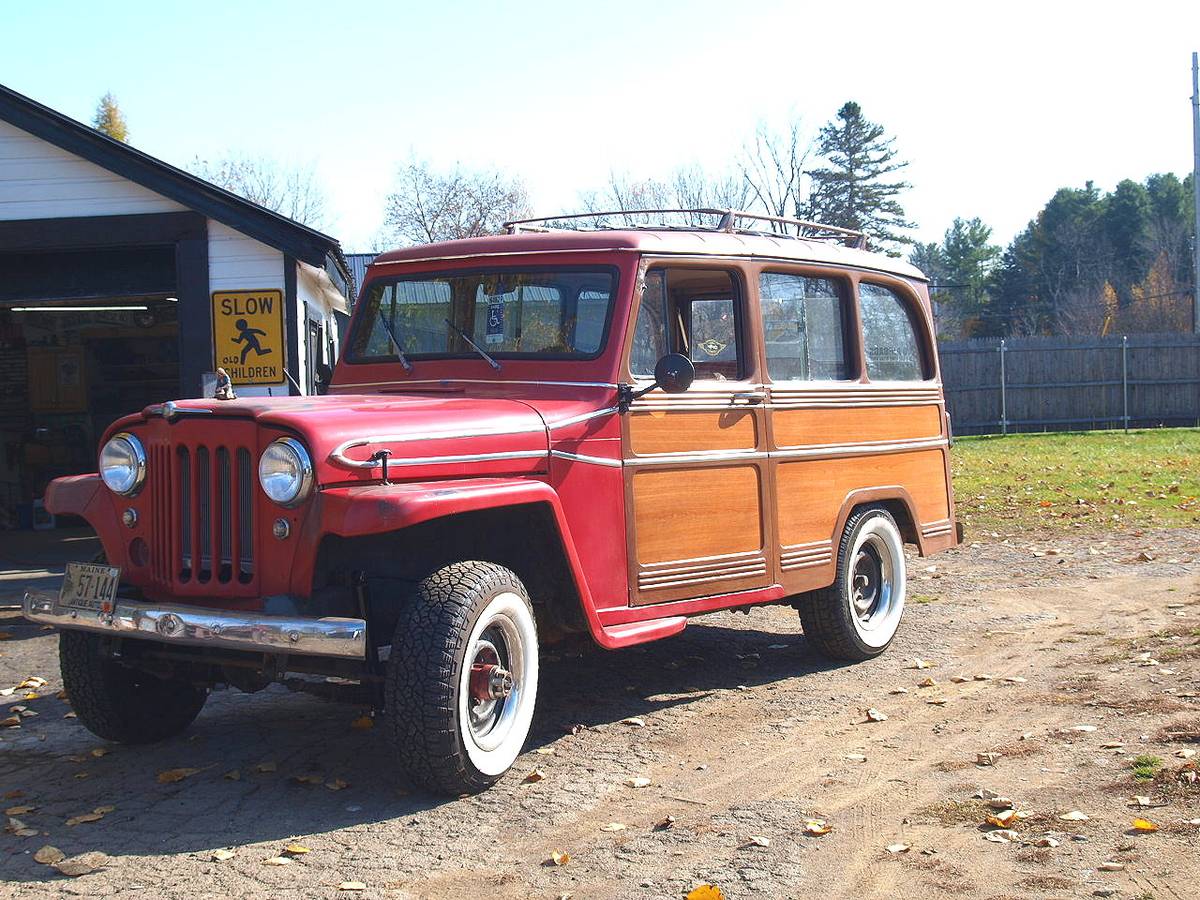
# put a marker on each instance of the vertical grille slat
(184, 553)
(223, 564)
(245, 501)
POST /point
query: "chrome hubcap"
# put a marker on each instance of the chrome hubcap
(871, 580)
(494, 683)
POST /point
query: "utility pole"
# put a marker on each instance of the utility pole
(1196, 192)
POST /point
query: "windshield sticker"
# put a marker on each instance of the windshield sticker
(495, 320)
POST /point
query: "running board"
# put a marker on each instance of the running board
(630, 633)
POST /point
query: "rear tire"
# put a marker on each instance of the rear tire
(121, 704)
(462, 632)
(856, 617)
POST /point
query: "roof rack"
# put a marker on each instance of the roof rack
(728, 223)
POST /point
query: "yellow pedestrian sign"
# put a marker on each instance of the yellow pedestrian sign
(248, 335)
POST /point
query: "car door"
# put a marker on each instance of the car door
(695, 462)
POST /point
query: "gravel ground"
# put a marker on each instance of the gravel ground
(747, 736)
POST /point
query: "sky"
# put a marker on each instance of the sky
(994, 105)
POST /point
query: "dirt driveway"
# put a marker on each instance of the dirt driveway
(1067, 661)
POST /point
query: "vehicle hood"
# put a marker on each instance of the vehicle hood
(443, 436)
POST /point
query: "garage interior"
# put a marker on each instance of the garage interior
(85, 337)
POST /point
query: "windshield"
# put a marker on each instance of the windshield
(509, 313)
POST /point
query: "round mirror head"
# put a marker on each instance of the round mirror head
(674, 373)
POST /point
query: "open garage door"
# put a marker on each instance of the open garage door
(85, 337)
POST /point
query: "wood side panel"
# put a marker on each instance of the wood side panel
(804, 427)
(692, 513)
(811, 491)
(683, 432)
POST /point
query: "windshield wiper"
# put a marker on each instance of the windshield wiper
(387, 326)
(474, 346)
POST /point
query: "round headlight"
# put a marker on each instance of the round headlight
(285, 471)
(123, 464)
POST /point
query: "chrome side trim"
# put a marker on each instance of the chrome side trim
(346, 388)
(584, 417)
(863, 449)
(716, 456)
(338, 457)
(590, 460)
(196, 626)
(465, 458)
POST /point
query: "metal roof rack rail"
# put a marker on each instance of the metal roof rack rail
(727, 223)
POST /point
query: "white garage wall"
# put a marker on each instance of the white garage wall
(240, 263)
(40, 181)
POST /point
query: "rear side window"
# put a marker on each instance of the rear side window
(803, 327)
(890, 343)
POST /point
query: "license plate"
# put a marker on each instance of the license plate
(89, 587)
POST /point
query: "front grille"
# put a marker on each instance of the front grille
(202, 506)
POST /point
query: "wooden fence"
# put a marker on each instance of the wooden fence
(1008, 385)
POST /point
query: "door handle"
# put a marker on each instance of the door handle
(749, 397)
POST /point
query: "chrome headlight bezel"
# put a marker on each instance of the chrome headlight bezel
(302, 481)
(130, 486)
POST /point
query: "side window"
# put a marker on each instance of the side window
(693, 312)
(890, 342)
(804, 327)
(650, 333)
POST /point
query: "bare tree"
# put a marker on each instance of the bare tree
(429, 206)
(772, 165)
(688, 187)
(291, 192)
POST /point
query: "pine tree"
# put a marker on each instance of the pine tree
(110, 120)
(853, 190)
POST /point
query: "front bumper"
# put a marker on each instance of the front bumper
(197, 626)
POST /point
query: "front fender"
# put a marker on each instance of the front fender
(86, 497)
(382, 508)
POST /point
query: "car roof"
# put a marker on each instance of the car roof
(655, 241)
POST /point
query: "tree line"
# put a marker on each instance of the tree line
(1088, 263)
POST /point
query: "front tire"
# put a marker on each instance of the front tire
(856, 617)
(462, 677)
(121, 704)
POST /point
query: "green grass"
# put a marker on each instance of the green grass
(1145, 767)
(1097, 479)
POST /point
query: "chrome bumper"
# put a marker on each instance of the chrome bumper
(196, 626)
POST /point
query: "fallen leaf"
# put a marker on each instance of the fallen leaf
(33, 681)
(1140, 800)
(756, 841)
(898, 848)
(1112, 745)
(104, 810)
(1185, 753)
(899, 690)
(295, 850)
(1075, 816)
(535, 776)
(233, 775)
(1001, 836)
(1003, 819)
(855, 757)
(267, 767)
(337, 784)
(989, 758)
(982, 677)
(19, 810)
(705, 892)
(1085, 728)
(1045, 842)
(1014, 679)
(84, 818)
(308, 779)
(277, 861)
(817, 827)
(99, 752)
(1144, 825)
(639, 781)
(560, 857)
(352, 886)
(1000, 803)
(664, 823)
(19, 828)
(874, 715)
(362, 723)
(1111, 866)
(10, 722)
(83, 864)
(222, 855)
(636, 721)
(170, 776)
(613, 826)
(49, 855)
(919, 663)
(936, 701)
(544, 751)
(14, 795)
(926, 682)
(959, 679)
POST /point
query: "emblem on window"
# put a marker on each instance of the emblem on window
(713, 347)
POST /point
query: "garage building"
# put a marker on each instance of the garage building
(125, 281)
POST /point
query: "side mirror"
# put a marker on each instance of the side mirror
(674, 373)
(324, 375)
